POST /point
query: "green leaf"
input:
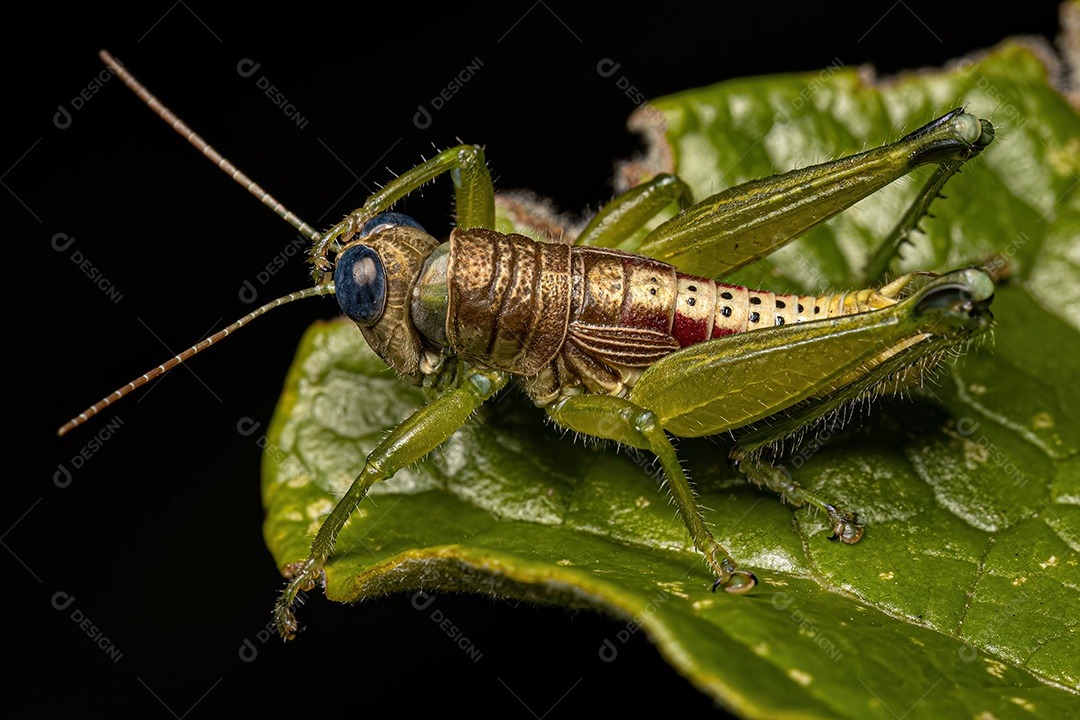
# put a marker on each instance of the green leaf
(965, 591)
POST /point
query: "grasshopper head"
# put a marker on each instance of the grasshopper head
(374, 276)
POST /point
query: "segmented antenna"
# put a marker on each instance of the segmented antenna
(232, 171)
(327, 289)
(202, 146)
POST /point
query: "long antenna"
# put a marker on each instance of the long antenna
(327, 289)
(204, 147)
(232, 171)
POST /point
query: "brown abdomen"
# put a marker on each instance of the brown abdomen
(622, 306)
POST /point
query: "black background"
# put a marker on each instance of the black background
(157, 537)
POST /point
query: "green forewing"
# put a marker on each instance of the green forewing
(963, 598)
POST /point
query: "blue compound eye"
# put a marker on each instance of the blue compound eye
(385, 220)
(360, 284)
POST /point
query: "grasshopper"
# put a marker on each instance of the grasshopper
(629, 347)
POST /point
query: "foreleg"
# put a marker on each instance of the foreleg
(414, 438)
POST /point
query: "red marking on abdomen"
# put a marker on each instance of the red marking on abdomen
(707, 310)
(689, 330)
(695, 310)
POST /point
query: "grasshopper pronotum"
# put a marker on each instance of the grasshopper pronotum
(617, 345)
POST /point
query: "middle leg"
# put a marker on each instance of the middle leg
(614, 418)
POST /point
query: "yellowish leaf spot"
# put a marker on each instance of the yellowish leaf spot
(320, 507)
(675, 588)
(800, 677)
(299, 481)
(1026, 704)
